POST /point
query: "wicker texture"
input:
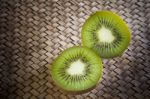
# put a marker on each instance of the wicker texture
(34, 32)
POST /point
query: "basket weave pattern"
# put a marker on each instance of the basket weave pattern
(34, 32)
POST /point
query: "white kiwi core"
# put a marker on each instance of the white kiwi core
(76, 68)
(105, 35)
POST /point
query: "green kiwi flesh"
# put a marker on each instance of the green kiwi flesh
(77, 69)
(106, 33)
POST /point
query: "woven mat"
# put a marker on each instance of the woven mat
(34, 32)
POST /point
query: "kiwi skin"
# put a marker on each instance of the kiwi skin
(122, 48)
(81, 91)
(76, 92)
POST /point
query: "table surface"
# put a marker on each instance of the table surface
(34, 32)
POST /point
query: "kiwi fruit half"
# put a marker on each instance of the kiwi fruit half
(106, 33)
(76, 69)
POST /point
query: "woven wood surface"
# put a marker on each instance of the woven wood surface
(34, 32)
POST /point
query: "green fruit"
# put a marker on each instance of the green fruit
(106, 33)
(77, 69)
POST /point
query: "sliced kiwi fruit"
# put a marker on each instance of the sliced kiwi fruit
(106, 33)
(77, 69)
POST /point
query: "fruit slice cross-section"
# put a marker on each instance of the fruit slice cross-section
(77, 69)
(106, 33)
